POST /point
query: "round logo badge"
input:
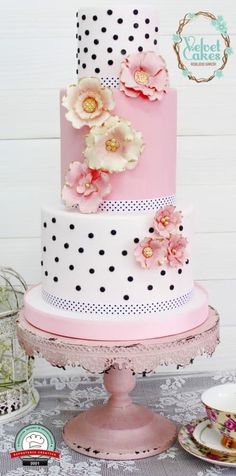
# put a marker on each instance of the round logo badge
(35, 437)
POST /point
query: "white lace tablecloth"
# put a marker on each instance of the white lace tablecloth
(175, 396)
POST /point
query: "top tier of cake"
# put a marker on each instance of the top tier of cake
(107, 35)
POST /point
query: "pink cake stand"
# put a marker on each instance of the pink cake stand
(120, 429)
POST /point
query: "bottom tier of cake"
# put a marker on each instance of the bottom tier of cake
(115, 328)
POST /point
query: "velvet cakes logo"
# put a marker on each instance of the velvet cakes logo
(35, 444)
(202, 57)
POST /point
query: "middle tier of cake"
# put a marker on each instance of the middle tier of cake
(89, 265)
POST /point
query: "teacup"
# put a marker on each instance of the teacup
(220, 405)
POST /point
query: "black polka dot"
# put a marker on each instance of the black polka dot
(109, 12)
(181, 228)
(103, 29)
(124, 253)
(120, 20)
(44, 249)
(83, 65)
(136, 25)
(113, 232)
(115, 37)
(151, 230)
(96, 42)
(54, 238)
(46, 273)
(85, 50)
(78, 50)
(156, 29)
(172, 287)
(111, 269)
(95, 17)
(81, 250)
(123, 52)
(94, 57)
(147, 36)
(130, 279)
(187, 261)
(66, 246)
(147, 21)
(79, 37)
(83, 17)
(91, 235)
(136, 240)
(135, 12)
(97, 70)
(102, 289)
(78, 288)
(109, 50)
(56, 259)
(163, 272)
(102, 252)
(72, 227)
(41, 263)
(45, 225)
(126, 297)
(55, 279)
(131, 38)
(87, 32)
(150, 287)
(180, 271)
(92, 271)
(71, 267)
(140, 48)
(110, 62)
(155, 42)
(54, 220)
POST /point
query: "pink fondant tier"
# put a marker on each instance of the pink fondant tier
(80, 326)
(155, 174)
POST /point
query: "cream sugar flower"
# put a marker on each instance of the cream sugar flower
(88, 103)
(113, 147)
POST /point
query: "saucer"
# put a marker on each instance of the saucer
(187, 442)
(207, 436)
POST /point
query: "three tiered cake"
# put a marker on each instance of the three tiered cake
(116, 253)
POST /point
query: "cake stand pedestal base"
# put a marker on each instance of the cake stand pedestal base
(119, 429)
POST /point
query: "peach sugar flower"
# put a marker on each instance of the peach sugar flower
(115, 146)
(144, 74)
(176, 250)
(88, 103)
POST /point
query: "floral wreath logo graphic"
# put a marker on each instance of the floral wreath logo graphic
(205, 54)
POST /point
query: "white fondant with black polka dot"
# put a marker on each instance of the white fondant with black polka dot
(107, 35)
(91, 262)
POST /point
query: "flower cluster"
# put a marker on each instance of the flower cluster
(167, 245)
(112, 145)
(144, 74)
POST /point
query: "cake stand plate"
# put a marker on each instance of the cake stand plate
(120, 429)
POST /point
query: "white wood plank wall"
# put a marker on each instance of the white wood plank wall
(37, 54)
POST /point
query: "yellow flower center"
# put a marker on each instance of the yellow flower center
(89, 105)
(165, 221)
(141, 77)
(147, 252)
(112, 145)
(173, 251)
(87, 185)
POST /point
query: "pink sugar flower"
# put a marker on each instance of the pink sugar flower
(144, 74)
(167, 220)
(151, 252)
(88, 103)
(176, 250)
(85, 188)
